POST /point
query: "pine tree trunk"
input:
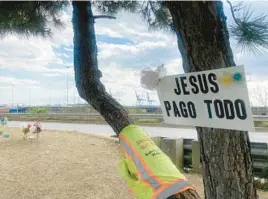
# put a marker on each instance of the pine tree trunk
(203, 41)
(87, 76)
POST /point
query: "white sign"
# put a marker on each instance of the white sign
(215, 98)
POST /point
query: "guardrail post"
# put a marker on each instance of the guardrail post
(157, 140)
(187, 152)
(259, 154)
(196, 164)
(173, 148)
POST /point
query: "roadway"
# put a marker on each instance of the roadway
(106, 130)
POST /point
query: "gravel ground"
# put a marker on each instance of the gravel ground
(65, 165)
(60, 166)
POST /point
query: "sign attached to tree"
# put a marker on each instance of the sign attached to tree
(215, 98)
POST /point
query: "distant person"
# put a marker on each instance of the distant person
(38, 126)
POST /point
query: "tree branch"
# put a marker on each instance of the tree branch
(104, 17)
(87, 73)
(232, 11)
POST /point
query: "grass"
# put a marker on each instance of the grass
(261, 124)
(94, 120)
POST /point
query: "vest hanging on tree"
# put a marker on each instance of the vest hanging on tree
(147, 170)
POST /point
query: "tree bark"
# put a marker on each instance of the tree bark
(87, 76)
(203, 41)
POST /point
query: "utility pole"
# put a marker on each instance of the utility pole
(50, 95)
(67, 86)
(74, 97)
(30, 96)
(12, 95)
(50, 88)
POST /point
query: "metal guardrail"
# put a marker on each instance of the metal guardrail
(77, 115)
(259, 153)
(187, 151)
(260, 118)
(94, 115)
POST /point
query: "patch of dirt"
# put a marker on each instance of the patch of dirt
(197, 180)
(60, 165)
(65, 165)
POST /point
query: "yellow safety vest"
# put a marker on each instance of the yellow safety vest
(148, 171)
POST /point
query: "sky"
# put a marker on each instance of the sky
(33, 69)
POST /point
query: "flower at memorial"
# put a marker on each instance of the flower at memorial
(149, 78)
(227, 79)
(237, 77)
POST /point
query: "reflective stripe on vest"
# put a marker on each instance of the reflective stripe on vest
(172, 189)
(144, 174)
(161, 190)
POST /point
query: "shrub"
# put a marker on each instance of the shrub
(136, 111)
(38, 110)
(264, 174)
(263, 184)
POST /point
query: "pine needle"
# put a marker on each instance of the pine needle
(251, 32)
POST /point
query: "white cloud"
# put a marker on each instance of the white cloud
(5, 87)
(174, 67)
(38, 95)
(110, 50)
(64, 35)
(69, 49)
(26, 54)
(51, 74)
(123, 82)
(120, 63)
(35, 54)
(128, 25)
(107, 31)
(17, 81)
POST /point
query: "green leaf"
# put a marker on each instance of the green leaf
(114, 7)
(26, 18)
(157, 16)
(251, 32)
(154, 13)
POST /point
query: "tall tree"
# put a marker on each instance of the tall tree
(260, 94)
(35, 19)
(30, 18)
(87, 75)
(203, 41)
